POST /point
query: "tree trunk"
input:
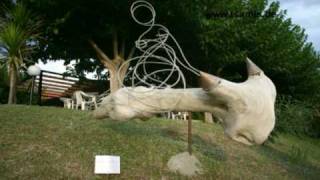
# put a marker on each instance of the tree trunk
(208, 117)
(117, 75)
(13, 86)
(114, 83)
(115, 80)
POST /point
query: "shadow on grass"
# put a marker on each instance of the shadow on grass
(294, 163)
(208, 149)
(132, 128)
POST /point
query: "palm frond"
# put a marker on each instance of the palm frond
(18, 34)
(13, 38)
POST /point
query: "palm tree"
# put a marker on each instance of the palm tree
(18, 39)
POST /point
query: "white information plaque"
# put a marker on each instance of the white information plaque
(105, 164)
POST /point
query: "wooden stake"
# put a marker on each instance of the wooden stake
(190, 133)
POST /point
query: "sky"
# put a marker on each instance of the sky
(55, 66)
(305, 13)
(59, 67)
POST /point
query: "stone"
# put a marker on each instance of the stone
(185, 164)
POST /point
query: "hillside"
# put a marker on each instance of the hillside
(54, 143)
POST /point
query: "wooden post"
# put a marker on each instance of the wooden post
(31, 90)
(40, 88)
(190, 133)
(208, 117)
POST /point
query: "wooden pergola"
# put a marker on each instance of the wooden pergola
(52, 85)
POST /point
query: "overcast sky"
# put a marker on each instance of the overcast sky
(305, 13)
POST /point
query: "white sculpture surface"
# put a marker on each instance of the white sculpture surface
(246, 109)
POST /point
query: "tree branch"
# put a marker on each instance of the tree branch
(122, 52)
(104, 59)
(131, 52)
(123, 71)
(99, 52)
(115, 45)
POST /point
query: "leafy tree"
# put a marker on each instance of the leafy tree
(234, 30)
(277, 45)
(83, 30)
(18, 34)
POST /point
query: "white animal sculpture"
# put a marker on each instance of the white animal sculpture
(246, 109)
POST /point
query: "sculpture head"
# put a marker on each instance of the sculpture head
(246, 109)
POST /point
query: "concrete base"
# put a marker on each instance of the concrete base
(185, 164)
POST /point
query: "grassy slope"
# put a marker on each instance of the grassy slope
(52, 143)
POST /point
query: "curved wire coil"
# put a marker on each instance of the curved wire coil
(153, 51)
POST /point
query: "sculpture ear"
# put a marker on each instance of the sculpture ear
(252, 68)
(208, 81)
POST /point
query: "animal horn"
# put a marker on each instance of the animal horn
(208, 81)
(252, 68)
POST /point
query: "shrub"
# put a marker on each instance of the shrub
(296, 117)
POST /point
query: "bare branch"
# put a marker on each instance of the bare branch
(131, 52)
(123, 46)
(115, 45)
(104, 59)
(101, 55)
(123, 71)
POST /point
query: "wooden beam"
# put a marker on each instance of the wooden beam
(56, 82)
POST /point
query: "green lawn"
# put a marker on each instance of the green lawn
(54, 143)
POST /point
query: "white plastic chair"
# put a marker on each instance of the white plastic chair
(84, 101)
(67, 102)
(178, 115)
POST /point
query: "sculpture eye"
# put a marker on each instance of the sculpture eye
(217, 84)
